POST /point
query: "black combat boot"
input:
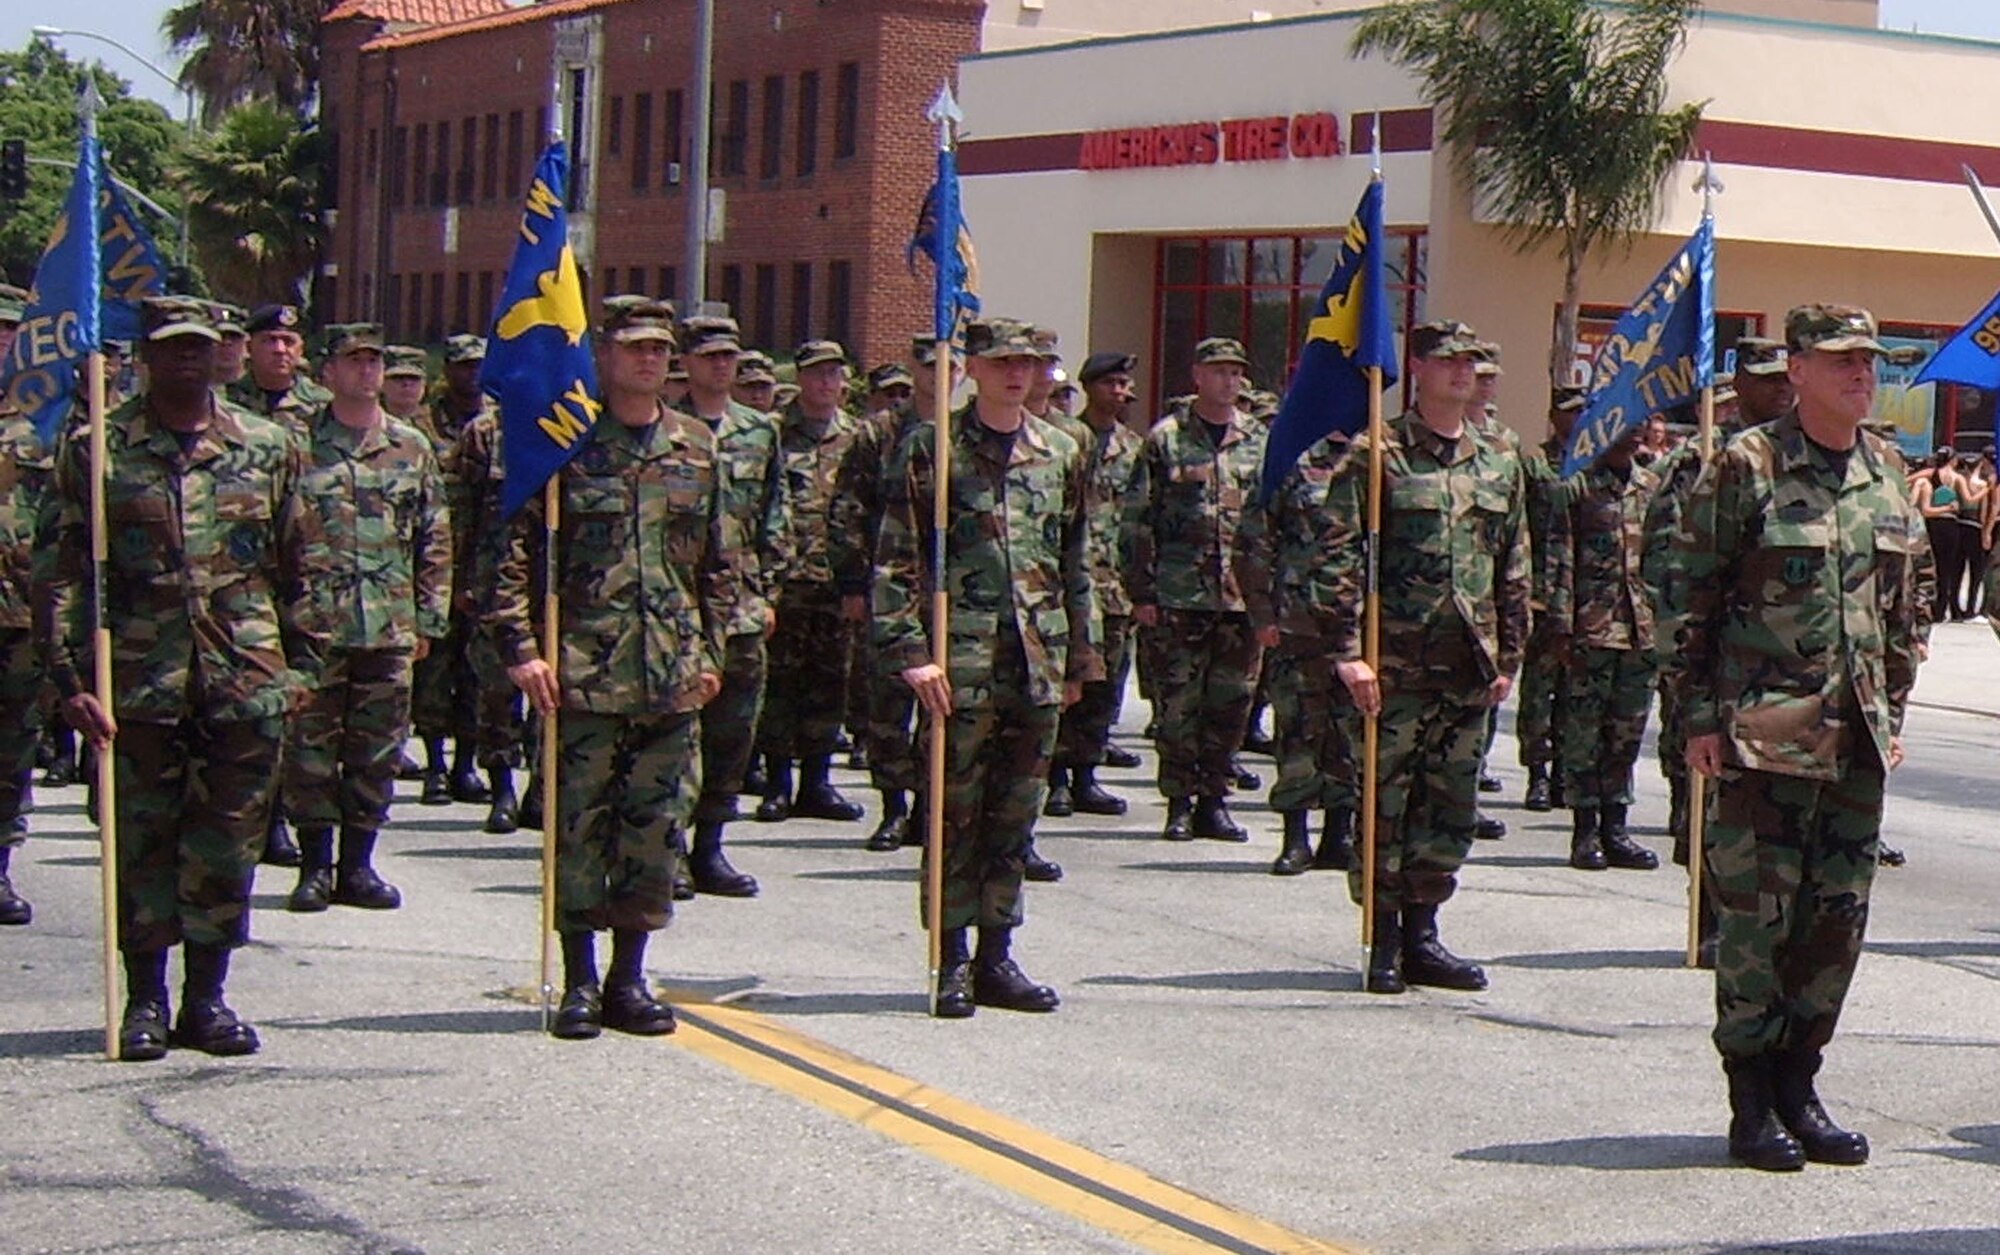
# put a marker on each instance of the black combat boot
(504, 815)
(1242, 777)
(629, 1004)
(997, 981)
(581, 1015)
(1180, 819)
(142, 1033)
(466, 786)
(279, 848)
(1212, 820)
(1677, 816)
(1254, 740)
(1558, 793)
(817, 798)
(1586, 848)
(314, 891)
(777, 804)
(1487, 828)
(1038, 869)
(1385, 955)
(954, 987)
(709, 867)
(1426, 961)
(14, 908)
(1059, 804)
(753, 777)
(206, 1023)
(1119, 757)
(1756, 1138)
(62, 767)
(1707, 929)
(1297, 855)
(1490, 783)
(1336, 841)
(683, 880)
(531, 802)
(1620, 850)
(1800, 1111)
(888, 834)
(1537, 799)
(437, 780)
(1089, 796)
(355, 882)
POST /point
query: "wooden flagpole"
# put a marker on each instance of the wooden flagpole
(551, 727)
(107, 757)
(942, 112)
(1697, 816)
(1371, 627)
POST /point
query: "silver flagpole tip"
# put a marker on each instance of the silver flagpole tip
(945, 107)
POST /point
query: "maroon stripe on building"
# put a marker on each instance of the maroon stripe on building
(1021, 154)
(1403, 131)
(1845, 152)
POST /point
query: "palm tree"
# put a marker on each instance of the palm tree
(1552, 112)
(253, 197)
(238, 50)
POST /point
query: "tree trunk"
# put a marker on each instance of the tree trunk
(1563, 352)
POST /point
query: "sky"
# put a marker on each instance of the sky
(136, 23)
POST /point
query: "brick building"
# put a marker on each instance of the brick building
(435, 111)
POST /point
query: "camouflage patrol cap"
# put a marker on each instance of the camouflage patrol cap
(354, 337)
(404, 361)
(785, 395)
(630, 319)
(117, 348)
(708, 333)
(677, 370)
(890, 375)
(1756, 355)
(1443, 337)
(818, 353)
(1261, 404)
(231, 321)
(1000, 337)
(755, 366)
(13, 303)
(1220, 350)
(1568, 397)
(275, 318)
(1098, 365)
(1831, 329)
(464, 347)
(1489, 358)
(166, 317)
(923, 350)
(1045, 340)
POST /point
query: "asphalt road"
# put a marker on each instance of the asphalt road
(1212, 1037)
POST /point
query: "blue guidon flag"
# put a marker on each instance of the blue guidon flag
(942, 236)
(1350, 330)
(539, 367)
(1661, 353)
(1972, 356)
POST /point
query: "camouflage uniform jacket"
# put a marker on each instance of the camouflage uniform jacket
(1795, 631)
(1280, 551)
(1015, 562)
(377, 571)
(1454, 564)
(812, 454)
(644, 570)
(25, 475)
(472, 476)
(860, 495)
(757, 518)
(1187, 509)
(295, 409)
(1548, 495)
(1112, 459)
(206, 546)
(1597, 596)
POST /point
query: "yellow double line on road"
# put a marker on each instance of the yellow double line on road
(1110, 1196)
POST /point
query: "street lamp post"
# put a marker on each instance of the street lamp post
(187, 93)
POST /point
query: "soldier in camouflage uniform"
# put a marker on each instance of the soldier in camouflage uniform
(1199, 476)
(1797, 647)
(24, 485)
(756, 382)
(1022, 640)
(1600, 621)
(1540, 717)
(376, 597)
(232, 356)
(1487, 422)
(1313, 716)
(646, 598)
(1454, 587)
(809, 646)
(205, 547)
(758, 523)
(405, 378)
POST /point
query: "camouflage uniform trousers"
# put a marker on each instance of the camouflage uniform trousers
(1540, 718)
(194, 801)
(21, 694)
(1427, 766)
(895, 760)
(1207, 672)
(729, 728)
(806, 690)
(997, 777)
(1610, 697)
(628, 786)
(345, 741)
(1673, 733)
(1313, 718)
(443, 690)
(1085, 731)
(1791, 862)
(499, 728)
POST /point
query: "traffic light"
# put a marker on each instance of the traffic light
(13, 169)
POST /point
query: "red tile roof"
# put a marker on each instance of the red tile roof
(506, 15)
(416, 12)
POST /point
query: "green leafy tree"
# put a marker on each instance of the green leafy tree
(1553, 112)
(38, 89)
(243, 50)
(253, 197)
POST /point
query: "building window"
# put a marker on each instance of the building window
(330, 169)
(434, 329)
(847, 110)
(468, 135)
(802, 302)
(367, 310)
(489, 168)
(642, 142)
(420, 166)
(730, 156)
(732, 287)
(670, 165)
(514, 149)
(441, 171)
(806, 146)
(670, 282)
(374, 155)
(399, 155)
(482, 317)
(771, 153)
(392, 303)
(578, 114)
(614, 128)
(839, 300)
(764, 310)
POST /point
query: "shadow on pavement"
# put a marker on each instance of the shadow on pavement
(1981, 1145)
(795, 843)
(865, 873)
(1935, 949)
(1642, 1152)
(469, 1023)
(1581, 960)
(77, 860)
(440, 825)
(1317, 980)
(524, 853)
(1916, 1242)
(525, 891)
(1229, 866)
(832, 1004)
(49, 1043)
(1515, 860)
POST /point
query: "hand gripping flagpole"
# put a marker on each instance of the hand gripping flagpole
(945, 112)
(1697, 818)
(1371, 631)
